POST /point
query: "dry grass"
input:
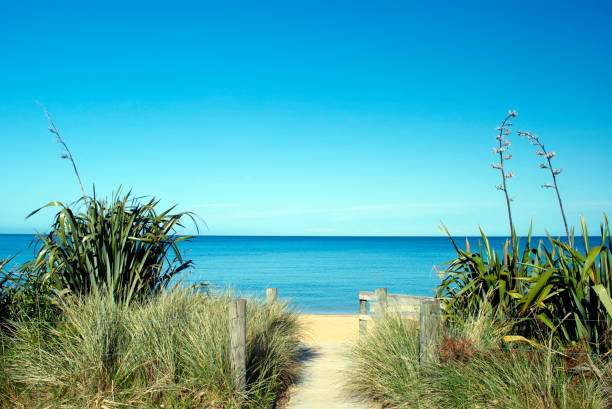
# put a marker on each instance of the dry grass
(474, 372)
(172, 350)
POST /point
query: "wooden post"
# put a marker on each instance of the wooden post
(271, 295)
(363, 324)
(381, 298)
(430, 330)
(237, 327)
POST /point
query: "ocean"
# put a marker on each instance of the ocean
(317, 274)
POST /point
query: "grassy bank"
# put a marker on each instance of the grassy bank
(91, 322)
(171, 349)
(476, 371)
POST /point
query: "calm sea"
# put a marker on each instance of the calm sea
(318, 274)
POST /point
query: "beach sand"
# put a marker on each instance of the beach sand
(327, 339)
(330, 327)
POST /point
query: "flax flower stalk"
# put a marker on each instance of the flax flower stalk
(504, 144)
(67, 153)
(535, 141)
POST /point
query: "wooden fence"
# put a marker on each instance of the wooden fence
(238, 331)
(427, 309)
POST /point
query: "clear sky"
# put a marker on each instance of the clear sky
(308, 117)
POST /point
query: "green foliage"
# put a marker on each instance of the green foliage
(5, 290)
(24, 295)
(559, 288)
(474, 278)
(123, 247)
(569, 290)
(171, 349)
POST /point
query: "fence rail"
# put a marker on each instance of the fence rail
(426, 309)
(381, 302)
(400, 303)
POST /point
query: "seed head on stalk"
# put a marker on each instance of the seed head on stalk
(67, 154)
(554, 172)
(501, 150)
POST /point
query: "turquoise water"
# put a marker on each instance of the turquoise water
(318, 274)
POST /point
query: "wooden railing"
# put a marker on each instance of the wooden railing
(400, 303)
(238, 332)
(426, 309)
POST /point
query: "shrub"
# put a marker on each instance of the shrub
(24, 295)
(171, 349)
(5, 291)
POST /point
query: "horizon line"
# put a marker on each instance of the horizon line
(335, 236)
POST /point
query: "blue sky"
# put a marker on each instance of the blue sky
(307, 117)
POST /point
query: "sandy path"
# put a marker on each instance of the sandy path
(321, 382)
(330, 328)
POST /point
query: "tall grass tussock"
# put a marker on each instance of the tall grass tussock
(171, 349)
(475, 371)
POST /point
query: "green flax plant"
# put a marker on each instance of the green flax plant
(569, 290)
(549, 288)
(552, 289)
(122, 247)
(470, 277)
(484, 277)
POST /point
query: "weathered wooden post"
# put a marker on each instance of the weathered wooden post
(363, 324)
(271, 295)
(237, 327)
(381, 299)
(430, 318)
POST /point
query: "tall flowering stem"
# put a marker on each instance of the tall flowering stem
(67, 153)
(501, 149)
(541, 151)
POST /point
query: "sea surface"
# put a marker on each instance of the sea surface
(317, 274)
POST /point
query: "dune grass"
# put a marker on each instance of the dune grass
(171, 349)
(475, 372)
(385, 363)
